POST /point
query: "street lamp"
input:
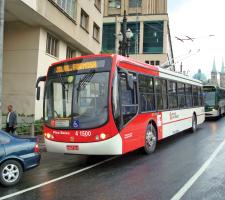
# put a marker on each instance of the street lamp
(124, 38)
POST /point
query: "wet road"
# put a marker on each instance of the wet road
(135, 176)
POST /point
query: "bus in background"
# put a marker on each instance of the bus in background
(111, 105)
(214, 98)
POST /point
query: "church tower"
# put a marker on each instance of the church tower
(222, 75)
(214, 74)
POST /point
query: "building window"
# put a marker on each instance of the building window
(108, 38)
(135, 3)
(96, 32)
(68, 6)
(114, 3)
(152, 62)
(153, 37)
(147, 61)
(70, 53)
(84, 20)
(157, 62)
(51, 45)
(98, 4)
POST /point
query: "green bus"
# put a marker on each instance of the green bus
(214, 97)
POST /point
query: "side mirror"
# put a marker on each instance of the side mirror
(41, 78)
(130, 81)
(38, 93)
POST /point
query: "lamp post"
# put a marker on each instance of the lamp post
(124, 38)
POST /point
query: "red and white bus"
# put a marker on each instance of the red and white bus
(110, 105)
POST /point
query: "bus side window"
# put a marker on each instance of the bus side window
(161, 93)
(146, 89)
(128, 98)
(195, 95)
(181, 95)
(172, 94)
(188, 90)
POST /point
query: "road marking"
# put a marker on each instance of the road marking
(57, 179)
(194, 178)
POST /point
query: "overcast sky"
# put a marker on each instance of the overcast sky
(198, 19)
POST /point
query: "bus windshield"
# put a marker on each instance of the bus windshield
(210, 98)
(77, 101)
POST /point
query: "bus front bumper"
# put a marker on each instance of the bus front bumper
(112, 146)
(213, 113)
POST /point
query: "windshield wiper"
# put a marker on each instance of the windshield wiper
(84, 81)
(64, 87)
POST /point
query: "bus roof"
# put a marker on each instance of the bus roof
(165, 73)
(214, 86)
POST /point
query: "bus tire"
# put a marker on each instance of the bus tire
(150, 139)
(220, 113)
(194, 124)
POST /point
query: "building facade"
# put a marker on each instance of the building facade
(38, 33)
(149, 22)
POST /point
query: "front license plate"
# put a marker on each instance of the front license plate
(72, 147)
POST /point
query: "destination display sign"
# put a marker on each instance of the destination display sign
(81, 64)
(76, 67)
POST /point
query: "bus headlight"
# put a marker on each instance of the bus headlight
(102, 136)
(49, 136)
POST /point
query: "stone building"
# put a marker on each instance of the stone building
(38, 33)
(149, 22)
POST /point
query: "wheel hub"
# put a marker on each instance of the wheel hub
(10, 173)
(150, 139)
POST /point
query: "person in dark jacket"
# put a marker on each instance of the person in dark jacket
(11, 120)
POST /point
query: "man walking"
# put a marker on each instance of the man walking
(11, 120)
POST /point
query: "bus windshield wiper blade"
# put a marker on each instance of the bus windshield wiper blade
(62, 82)
(83, 82)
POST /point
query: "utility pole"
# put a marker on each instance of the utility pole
(2, 9)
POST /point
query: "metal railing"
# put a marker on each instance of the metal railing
(27, 127)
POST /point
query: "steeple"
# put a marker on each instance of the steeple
(222, 68)
(214, 74)
(214, 66)
(222, 75)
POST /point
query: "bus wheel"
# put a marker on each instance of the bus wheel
(150, 139)
(194, 124)
(220, 113)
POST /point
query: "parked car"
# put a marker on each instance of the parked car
(16, 156)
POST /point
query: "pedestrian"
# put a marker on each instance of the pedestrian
(11, 120)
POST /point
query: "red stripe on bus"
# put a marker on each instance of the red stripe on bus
(180, 120)
(176, 120)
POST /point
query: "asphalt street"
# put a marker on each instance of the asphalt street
(158, 176)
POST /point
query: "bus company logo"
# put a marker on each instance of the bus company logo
(128, 135)
(173, 115)
(61, 132)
